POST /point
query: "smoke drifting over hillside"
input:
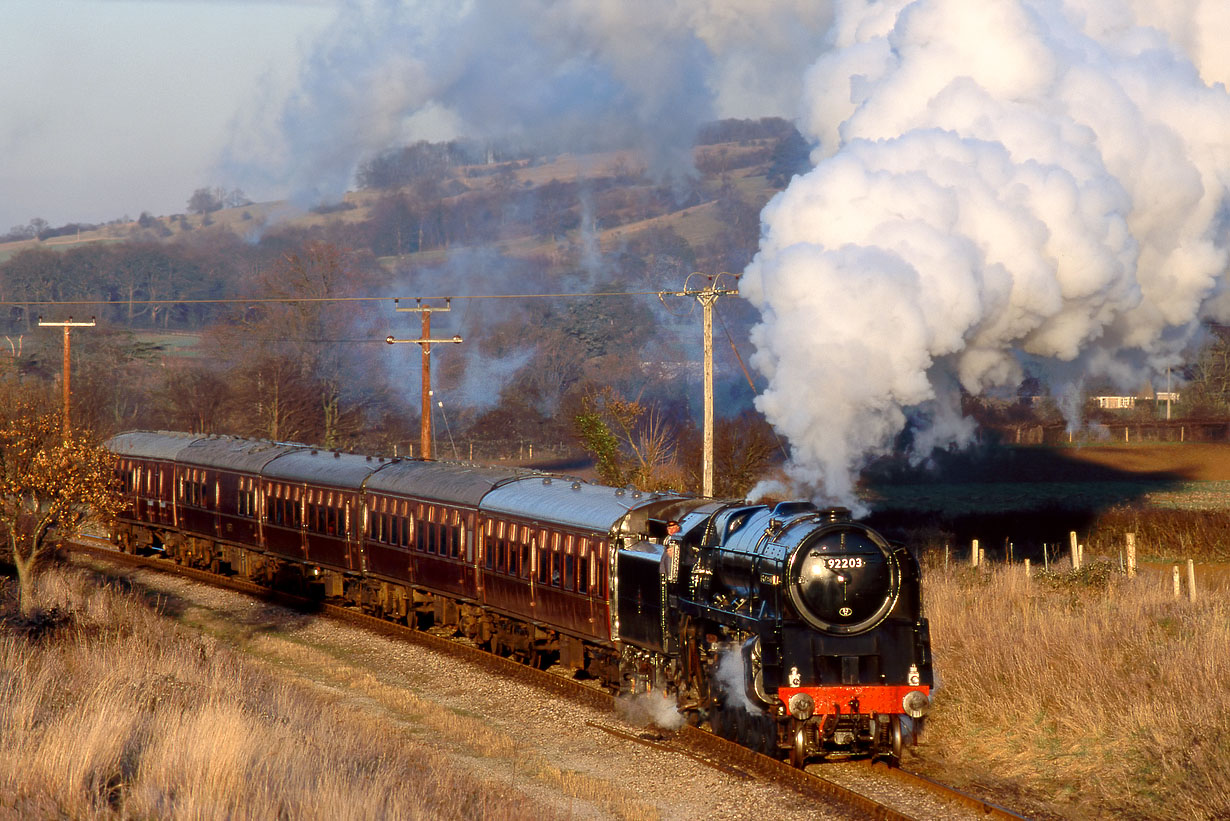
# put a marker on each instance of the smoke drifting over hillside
(1034, 185)
(641, 73)
(997, 186)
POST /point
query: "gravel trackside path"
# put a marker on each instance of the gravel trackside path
(506, 734)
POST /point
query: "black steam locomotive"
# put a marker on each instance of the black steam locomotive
(791, 629)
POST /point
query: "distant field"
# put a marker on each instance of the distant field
(1168, 476)
(957, 499)
(1197, 462)
(171, 343)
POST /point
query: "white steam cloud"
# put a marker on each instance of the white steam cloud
(654, 708)
(1038, 183)
(645, 73)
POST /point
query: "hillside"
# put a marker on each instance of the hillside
(737, 166)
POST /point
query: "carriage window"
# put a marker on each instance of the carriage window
(569, 569)
(582, 574)
(246, 503)
(544, 566)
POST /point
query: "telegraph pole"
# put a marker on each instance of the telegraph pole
(67, 326)
(425, 341)
(707, 296)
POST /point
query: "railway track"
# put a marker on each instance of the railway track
(692, 742)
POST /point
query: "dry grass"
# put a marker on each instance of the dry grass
(118, 712)
(1203, 535)
(1082, 694)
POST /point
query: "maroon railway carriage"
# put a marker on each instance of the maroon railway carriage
(520, 561)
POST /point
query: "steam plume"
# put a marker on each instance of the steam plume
(1027, 182)
(642, 73)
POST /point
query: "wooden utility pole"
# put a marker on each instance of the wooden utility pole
(707, 296)
(425, 341)
(67, 326)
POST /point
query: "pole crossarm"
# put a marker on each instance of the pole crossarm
(455, 339)
(425, 341)
(706, 297)
(67, 325)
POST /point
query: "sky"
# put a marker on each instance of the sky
(113, 107)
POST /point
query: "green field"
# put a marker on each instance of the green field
(1024, 497)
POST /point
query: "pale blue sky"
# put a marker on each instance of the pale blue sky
(113, 107)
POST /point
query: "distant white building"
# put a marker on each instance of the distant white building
(1115, 402)
(1146, 394)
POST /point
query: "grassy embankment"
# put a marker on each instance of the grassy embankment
(116, 710)
(1081, 695)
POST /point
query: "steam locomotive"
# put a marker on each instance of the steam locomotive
(791, 629)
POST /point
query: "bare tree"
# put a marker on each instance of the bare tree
(204, 200)
(631, 444)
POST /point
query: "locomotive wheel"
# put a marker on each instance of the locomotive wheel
(798, 750)
(894, 741)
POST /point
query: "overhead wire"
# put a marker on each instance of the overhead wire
(294, 300)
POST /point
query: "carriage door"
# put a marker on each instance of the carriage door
(486, 530)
